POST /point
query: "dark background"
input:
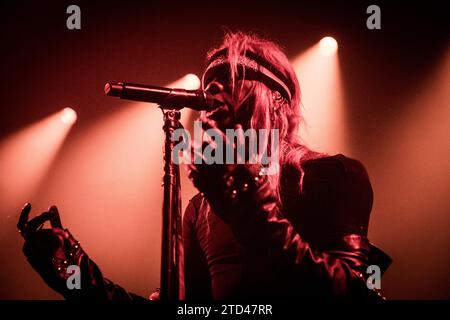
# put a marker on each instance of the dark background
(45, 66)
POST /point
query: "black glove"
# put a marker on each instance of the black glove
(51, 251)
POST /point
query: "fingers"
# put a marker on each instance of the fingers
(192, 173)
(45, 243)
(212, 134)
(240, 133)
(27, 227)
(240, 147)
(21, 224)
(196, 154)
(214, 138)
(37, 222)
(191, 170)
(55, 220)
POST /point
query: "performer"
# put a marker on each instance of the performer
(300, 231)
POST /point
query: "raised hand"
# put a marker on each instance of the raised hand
(49, 251)
(228, 186)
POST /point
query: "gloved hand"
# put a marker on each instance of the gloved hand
(50, 251)
(238, 193)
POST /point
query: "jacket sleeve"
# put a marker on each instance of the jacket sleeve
(259, 225)
(334, 273)
(59, 259)
(96, 287)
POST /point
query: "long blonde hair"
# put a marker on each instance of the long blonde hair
(267, 115)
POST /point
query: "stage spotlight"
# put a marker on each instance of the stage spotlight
(68, 116)
(189, 82)
(328, 46)
(192, 82)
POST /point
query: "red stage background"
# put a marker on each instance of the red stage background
(388, 104)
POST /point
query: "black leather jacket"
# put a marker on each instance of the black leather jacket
(315, 246)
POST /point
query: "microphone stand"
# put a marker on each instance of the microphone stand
(172, 267)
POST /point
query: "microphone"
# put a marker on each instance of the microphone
(166, 97)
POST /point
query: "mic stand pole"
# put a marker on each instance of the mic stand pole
(172, 268)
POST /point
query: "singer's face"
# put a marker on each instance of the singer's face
(237, 104)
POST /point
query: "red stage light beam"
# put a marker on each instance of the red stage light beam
(26, 155)
(317, 69)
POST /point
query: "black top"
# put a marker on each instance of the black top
(335, 200)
